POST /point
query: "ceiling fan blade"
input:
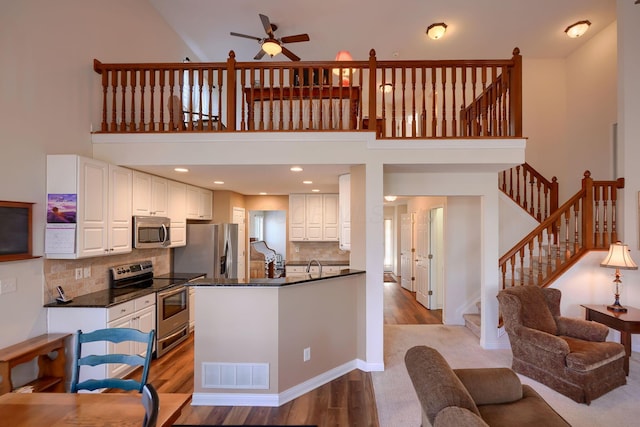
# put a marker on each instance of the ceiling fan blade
(296, 38)
(260, 54)
(245, 36)
(292, 56)
(267, 25)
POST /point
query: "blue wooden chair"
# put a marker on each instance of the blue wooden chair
(151, 403)
(114, 335)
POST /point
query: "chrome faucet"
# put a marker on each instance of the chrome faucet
(317, 262)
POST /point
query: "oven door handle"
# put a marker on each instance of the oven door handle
(168, 337)
(171, 292)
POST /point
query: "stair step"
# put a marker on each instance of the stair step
(472, 322)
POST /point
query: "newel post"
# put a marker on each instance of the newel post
(587, 211)
(515, 95)
(373, 111)
(553, 198)
(231, 91)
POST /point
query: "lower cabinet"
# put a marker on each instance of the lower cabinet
(301, 271)
(139, 314)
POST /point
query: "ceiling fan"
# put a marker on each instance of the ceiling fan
(272, 45)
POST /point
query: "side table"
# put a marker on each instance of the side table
(627, 323)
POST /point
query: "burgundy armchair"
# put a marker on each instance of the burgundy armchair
(568, 355)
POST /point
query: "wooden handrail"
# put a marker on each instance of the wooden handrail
(587, 221)
(420, 98)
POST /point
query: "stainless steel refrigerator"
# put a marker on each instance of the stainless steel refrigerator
(211, 248)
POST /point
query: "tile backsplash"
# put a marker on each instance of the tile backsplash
(322, 251)
(62, 272)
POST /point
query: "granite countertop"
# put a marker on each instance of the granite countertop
(102, 299)
(323, 262)
(278, 282)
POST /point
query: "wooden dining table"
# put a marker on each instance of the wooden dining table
(85, 409)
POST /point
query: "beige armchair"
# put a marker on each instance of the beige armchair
(568, 355)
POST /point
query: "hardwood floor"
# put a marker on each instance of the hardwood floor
(347, 401)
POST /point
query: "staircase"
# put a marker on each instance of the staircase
(585, 222)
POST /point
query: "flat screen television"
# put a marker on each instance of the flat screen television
(15, 231)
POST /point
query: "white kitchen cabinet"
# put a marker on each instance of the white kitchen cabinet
(313, 217)
(103, 207)
(344, 205)
(199, 203)
(150, 195)
(177, 211)
(139, 313)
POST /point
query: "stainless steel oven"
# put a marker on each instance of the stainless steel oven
(172, 317)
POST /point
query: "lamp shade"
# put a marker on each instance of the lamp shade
(343, 55)
(577, 29)
(271, 47)
(618, 257)
(436, 31)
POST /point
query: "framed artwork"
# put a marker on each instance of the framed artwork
(62, 208)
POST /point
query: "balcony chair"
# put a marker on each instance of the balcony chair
(568, 355)
(151, 403)
(111, 335)
(181, 116)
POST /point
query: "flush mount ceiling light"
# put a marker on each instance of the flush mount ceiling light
(271, 47)
(386, 88)
(181, 170)
(218, 182)
(578, 29)
(437, 30)
(390, 198)
(307, 182)
(296, 169)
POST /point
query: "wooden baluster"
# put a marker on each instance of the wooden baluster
(192, 93)
(576, 228)
(262, 101)
(484, 107)
(549, 245)
(105, 88)
(142, 126)
(434, 116)
(512, 262)
(504, 86)
(525, 202)
(503, 275)
(532, 207)
(172, 113)
(114, 102)
(403, 90)
(517, 184)
(605, 207)
(474, 118)
(220, 104)
(413, 102)
(443, 111)
(523, 272)
(270, 123)
(454, 122)
(200, 120)
(423, 111)
(464, 125)
(161, 124)
(596, 216)
(393, 103)
(210, 87)
(532, 266)
(248, 124)
(152, 104)
(539, 200)
(123, 112)
(614, 198)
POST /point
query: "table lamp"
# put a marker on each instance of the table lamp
(618, 258)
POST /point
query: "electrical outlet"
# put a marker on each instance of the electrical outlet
(296, 248)
(8, 285)
(306, 354)
(78, 273)
(86, 272)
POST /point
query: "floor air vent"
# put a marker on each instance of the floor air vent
(236, 375)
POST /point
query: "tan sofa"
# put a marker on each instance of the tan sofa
(474, 397)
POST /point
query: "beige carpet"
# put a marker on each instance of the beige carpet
(398, 405)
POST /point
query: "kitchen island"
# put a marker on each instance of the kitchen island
(264, 342)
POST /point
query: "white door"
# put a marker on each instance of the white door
(422, 257)
(436, 258)
(238, 218)
(406, 251)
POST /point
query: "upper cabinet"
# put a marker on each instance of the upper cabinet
(100, 195)
(344, 191)
(150, 195)
(313, 217)
(199, 203)
(177, 210)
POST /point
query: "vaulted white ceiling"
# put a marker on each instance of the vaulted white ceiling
(477, 29)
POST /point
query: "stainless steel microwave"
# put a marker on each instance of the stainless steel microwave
(151, 232)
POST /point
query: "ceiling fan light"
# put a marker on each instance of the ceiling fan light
(390, 198)
(578, 29)
(271, 47)
(437, 30)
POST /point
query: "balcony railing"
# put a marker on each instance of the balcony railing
(396, 99)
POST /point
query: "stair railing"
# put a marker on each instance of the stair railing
(530, 190)
(587, 221)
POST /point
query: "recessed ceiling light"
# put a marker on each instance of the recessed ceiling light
(218, 182)
(262, 193)
(181, 170)
(315, 190)
(307, 182)
(390, 198)
(296, 169)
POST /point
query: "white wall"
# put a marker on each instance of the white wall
(49, 100)
(515, 223)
